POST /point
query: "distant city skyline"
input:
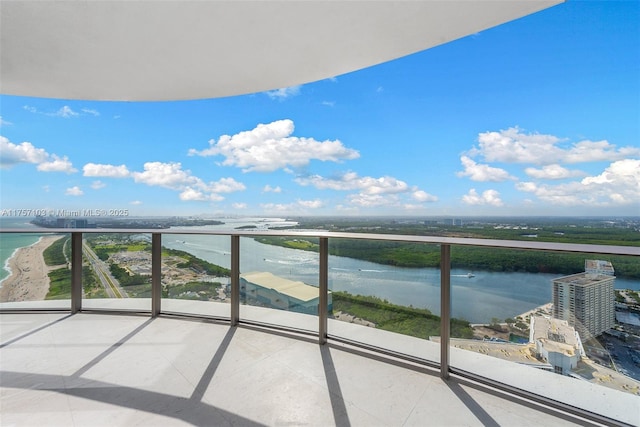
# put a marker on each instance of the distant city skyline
(539, 116)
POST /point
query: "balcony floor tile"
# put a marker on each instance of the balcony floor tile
(120, 370)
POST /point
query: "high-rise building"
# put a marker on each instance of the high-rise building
(586, 300)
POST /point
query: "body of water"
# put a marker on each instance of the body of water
(477, 299)
(9, 243)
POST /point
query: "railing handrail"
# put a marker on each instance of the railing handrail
(456, 241)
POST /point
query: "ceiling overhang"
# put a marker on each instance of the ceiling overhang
(173, 50)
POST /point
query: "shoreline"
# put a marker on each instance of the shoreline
(28, 279)
(544, 309)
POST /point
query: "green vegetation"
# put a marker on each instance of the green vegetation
(310, 244)
(202, 291)
(91, 285)
(417, 322)
(562, 230)
(196, 264)
(126, 279)
(54, 255)
(418, 255)
(60, 284)
(106, 244)
(103, 251)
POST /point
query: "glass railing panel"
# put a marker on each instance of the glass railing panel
(36, 271)
(196, 275)
(116, 271)
(541, 316)
(386, 294)
(279, 280)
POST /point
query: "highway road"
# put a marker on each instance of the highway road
(111, 285)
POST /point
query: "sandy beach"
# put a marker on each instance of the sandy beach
(29, 280)
(544, 309)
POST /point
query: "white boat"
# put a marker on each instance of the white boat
(470, 275)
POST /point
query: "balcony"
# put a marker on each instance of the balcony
(167, 360)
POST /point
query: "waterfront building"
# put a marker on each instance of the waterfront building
(272, 291)
(586, 300)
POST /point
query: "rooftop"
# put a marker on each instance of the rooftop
(584, 279)
(554, 330)
(292, 288)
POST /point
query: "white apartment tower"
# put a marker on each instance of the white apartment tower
(586, 300)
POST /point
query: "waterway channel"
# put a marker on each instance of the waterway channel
(477, 297)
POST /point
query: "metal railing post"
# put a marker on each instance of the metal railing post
(445, 308)
(235, 280)
(323, 289)
(76, 272)
(156, 273)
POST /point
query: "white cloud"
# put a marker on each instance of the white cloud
(239, 205)
(172, 176)
(57, 164)
(299, 206)
(65, 112)
(192, 194)
(74, 191)
(618, 184)
(269, 189)
(423, 196)
(312, 204)
(372, 200)
(624, 172)
(97, 185)
(104, 170)
(4, 122)
(90, 111)
(12, 154)
(329, 103)
(270, 146)
(168, 175)
(224, 185)
(596, 151)
(488, 197)
(514, 146)
(284, 93)
(482, 173)
(552, 172)
(351, 181)
(135, 202)
(383, 191)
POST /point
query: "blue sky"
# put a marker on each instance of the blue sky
(540, 116)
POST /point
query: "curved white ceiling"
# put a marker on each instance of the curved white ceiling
(172, 50)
